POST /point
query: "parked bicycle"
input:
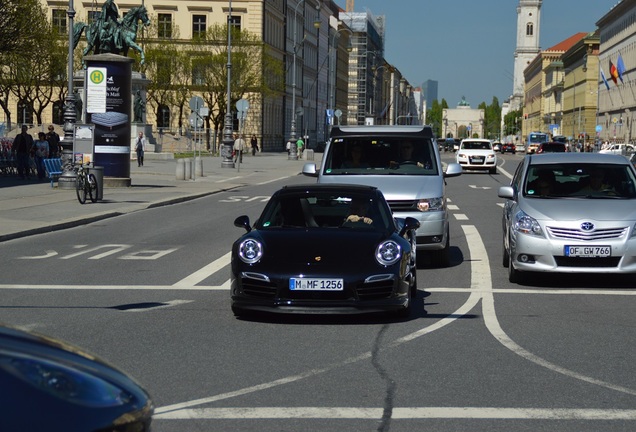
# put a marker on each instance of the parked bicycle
(86, 185)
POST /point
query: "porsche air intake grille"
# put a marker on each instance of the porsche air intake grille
(257, 288)
(578, 234)
(375, 290)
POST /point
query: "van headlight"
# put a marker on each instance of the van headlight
(431, 204)
(527, 225)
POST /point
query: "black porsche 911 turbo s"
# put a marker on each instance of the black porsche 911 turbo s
(325, 249)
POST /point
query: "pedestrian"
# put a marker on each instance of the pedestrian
(288, 147)
(254, 144)
(139, 148)
(301, 145)
(22, 145)
(54, 142)
(40, 152)
(239, 147)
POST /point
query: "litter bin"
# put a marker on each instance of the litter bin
(309, 154)
(98, 172)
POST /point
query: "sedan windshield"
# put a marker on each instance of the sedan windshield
(579, 180)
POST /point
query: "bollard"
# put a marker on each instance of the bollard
(309, 154)
(98, 172)
(180, 173)
(188, 168)
(198, 167)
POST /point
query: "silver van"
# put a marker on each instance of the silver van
(404, 163)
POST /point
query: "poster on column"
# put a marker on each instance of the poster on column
(112, 126)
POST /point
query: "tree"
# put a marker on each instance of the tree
(255, 73)
(168, 66)
(434, 116)
(511, 122)
(18, 25)
(492, 118)
(37, 69)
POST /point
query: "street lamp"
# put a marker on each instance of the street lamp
(228, 142)
(67, 178)
(293, 153)
(332, 61)
(375, 79)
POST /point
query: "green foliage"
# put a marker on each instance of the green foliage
(512, 122)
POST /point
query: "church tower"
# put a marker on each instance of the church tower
(528, 21)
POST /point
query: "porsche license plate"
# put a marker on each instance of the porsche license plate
(316, 284)
(588, 251)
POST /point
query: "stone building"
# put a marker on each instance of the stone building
(463, 121)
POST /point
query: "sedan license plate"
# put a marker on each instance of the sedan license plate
(588, 251)
(315, 284)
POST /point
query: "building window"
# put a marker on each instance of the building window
(58, 112)
(59, 21)
(163, 117)
(198, 73)
(235, 21)
(529, 29)
(164, 23)
(198, 26)
(25, 112)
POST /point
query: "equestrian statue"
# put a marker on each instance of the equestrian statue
(110, 34)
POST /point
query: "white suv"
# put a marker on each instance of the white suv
(477, 154)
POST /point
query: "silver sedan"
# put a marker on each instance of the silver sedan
(570, 213)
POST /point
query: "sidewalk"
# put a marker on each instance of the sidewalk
(31, 206)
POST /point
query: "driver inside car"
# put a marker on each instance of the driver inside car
(406, 157)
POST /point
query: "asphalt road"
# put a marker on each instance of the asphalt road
(148, 292)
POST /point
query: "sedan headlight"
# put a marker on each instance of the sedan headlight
(64, 382)
(430, 204)
(527, 225)
(388, 253)
(250, 251)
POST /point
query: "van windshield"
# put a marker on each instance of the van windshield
(392, 155)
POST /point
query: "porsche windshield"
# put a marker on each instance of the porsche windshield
(381, 155)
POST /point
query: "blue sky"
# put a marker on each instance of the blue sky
(468, 45)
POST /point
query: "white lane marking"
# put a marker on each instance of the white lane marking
(166, 305)
(479, 187)
(452, 207)
(47, 254)
(500, 204)
(114, 248)
(148, 254)
(226, 286)
(223, 287)
(205, 272)
(272, 181)
(480, 264)
(398, 413)
(460, 216)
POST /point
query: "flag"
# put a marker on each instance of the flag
(613, 72)
(620, 67)
(604, 79)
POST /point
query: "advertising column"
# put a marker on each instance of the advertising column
(112, 115)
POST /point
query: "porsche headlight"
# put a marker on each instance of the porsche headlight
(388, 253)
(527, 225)
(250, 251)
(430, 204)
(64, 381)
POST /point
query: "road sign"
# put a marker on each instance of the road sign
(196, 102)
(242, 105)
(599, 128)
(195, 120)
